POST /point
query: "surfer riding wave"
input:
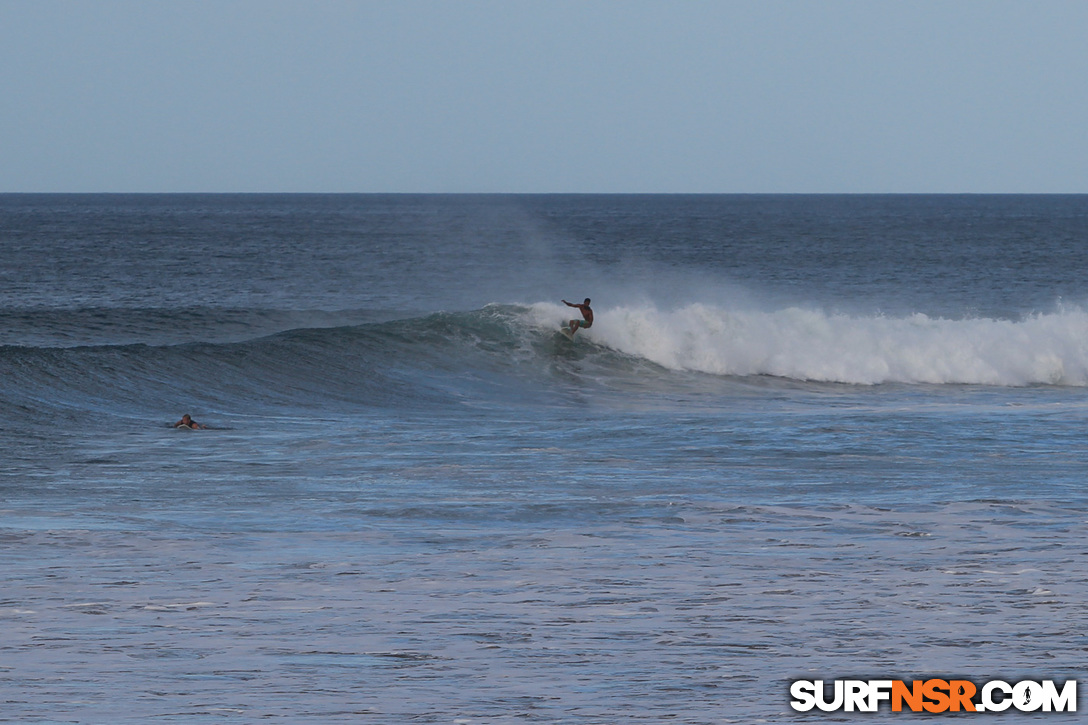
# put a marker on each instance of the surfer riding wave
(587, 313)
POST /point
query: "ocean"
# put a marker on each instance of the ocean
(806, 438)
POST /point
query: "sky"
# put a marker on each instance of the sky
(551, 96)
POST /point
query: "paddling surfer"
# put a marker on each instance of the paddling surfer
(188, 422)
(587, 313)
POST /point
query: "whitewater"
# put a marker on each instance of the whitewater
(817, 437)
(814, 345)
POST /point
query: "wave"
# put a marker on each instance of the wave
(506, 354)
(464, 356)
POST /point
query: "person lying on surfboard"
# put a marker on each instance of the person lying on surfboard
(586, 313)
(188, 422)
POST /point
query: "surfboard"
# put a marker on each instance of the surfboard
(565, 329)
(182, 427)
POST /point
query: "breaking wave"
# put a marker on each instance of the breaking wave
(815, 345)
(506, 354)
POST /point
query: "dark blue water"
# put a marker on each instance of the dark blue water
(805, 437)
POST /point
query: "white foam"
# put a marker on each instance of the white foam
(813, 344)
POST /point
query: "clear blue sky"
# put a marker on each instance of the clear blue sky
(547, 96)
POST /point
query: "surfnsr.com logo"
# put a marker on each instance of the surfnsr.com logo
(934, 696)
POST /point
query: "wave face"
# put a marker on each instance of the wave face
(481, 355)
(508, 354)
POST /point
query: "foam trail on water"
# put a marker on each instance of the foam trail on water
(811, 344)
